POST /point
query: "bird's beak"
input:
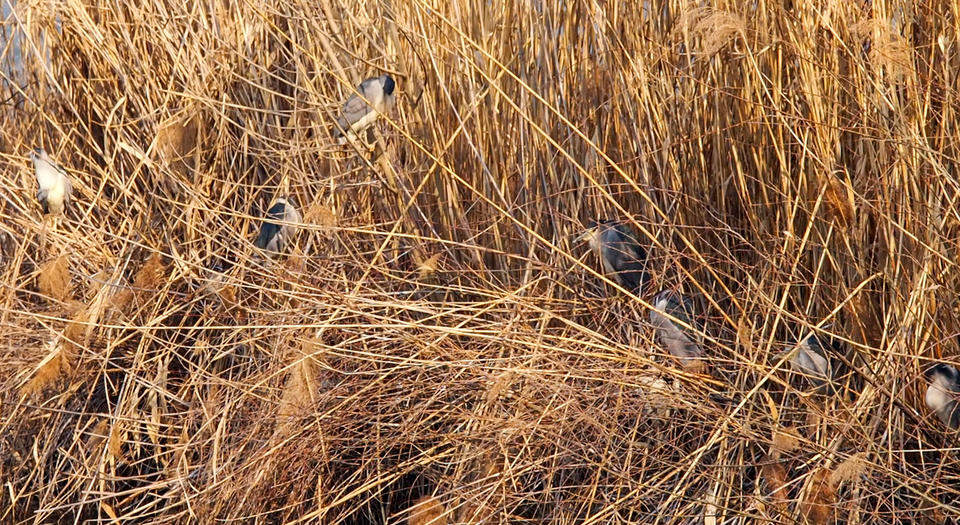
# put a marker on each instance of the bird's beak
(584, 235)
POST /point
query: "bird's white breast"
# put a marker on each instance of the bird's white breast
(56, 194)
(937, 395)
(49, 178)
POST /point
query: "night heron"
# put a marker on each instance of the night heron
(374, 97)
(943, 393)
(811, 359)
(274, 236)
(624, 259)
(54, 183)
(668, 308)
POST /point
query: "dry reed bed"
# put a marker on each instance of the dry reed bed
(435, 339)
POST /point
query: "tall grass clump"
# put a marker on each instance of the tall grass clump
(435, 348)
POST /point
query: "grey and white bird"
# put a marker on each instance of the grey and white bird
(623, 258)
(278, 227)
(943, 393)
(55, 188)
(811, 358)
(668, 308)
(373, 98)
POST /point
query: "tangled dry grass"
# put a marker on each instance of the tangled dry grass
(435, 349)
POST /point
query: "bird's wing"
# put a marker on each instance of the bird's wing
(954, 415)
(59, 169)
(354, 110)
(812, 363)
(627, 263)
(951, 380)
(673, 337)
(268, 231)
(622, 246)
(341, 127)
(625, 258)
(277, 211)
(68, 188)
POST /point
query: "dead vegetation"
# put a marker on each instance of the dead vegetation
(434, 348)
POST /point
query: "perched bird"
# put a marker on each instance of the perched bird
(943, 394)
(811, 358)
(55, 186)
(274, 236)
(680, 341)
(374, 97)
(623, 259)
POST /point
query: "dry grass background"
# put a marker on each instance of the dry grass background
(435, 338)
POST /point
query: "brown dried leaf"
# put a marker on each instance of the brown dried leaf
(228, 294)
(177, 139)
(105, 285)
(429, 266)
(851, 469)
(774, 479)
(839, 198)
(53, 280)
(475, 511)
(115, 444)
(298, 392)
(54, 365)
(813, 419)
(73, 307)
(491, 467)
(427, 510)
(74, 334)
(121, 299)
(745, 334)
(785, 440)
(321, 216)
(716, 28)
(295, 263)
(502, 383)
(97, 435)
(696, 366)
(299, 389)
(933, 517)
(151, 274)
(817, 507)
(888, 48)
